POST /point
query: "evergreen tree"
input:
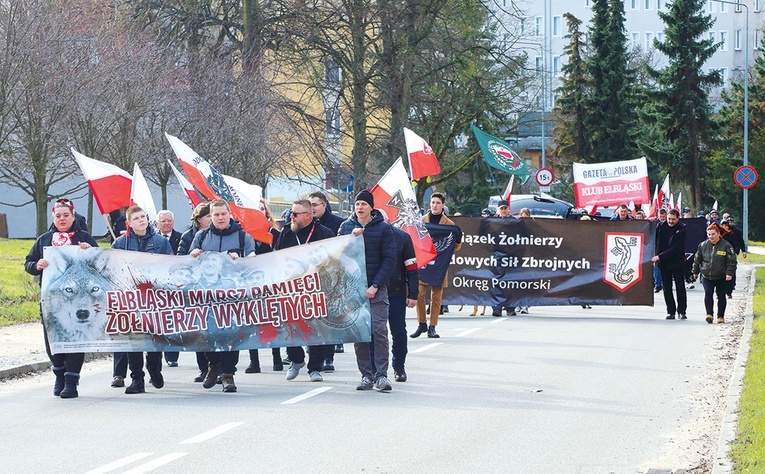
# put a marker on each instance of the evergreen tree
(570, 132)
(611, 120)
(682, 102)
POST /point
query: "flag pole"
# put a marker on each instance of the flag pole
(109, 226)
(494, 181)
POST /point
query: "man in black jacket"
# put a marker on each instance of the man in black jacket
(304, 229)
(321, 211)
(670, 257)
(380, 256)
(403, 289)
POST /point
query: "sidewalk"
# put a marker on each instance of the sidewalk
(22, 349)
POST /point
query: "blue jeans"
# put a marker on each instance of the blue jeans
(656, 277)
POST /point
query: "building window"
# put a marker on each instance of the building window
(538, 26)
(538, 64)
(556, 65)
(737, 40)
(724, 41)
(756, 39)
(712, 37)
(660, 37)
(648, 41)
(586, 3)
(557, 23)
(711, 6)
(756, 5)
(633, 5)
(635, 40)
(659, 4)
(724, 75)
(723, 8)
(648, 4)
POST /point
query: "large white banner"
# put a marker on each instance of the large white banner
(611, 184)
(106, 300)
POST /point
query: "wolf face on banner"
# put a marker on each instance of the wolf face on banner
(78, 295)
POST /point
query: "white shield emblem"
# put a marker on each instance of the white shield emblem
(623, 255)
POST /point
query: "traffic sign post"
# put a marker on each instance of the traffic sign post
(545, 177)
(745, 177)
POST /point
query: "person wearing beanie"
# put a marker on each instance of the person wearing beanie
(380, 257)
(436, 215)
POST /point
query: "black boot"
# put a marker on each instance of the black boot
(254, 367)
(136, 386)
(59, 384)
(71, 379)
(420, 329)
(432, 332)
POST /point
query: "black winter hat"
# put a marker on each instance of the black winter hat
(367, 197)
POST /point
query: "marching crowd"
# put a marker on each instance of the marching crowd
(393, 284)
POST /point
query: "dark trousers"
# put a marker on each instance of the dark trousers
(68, 362)
(710, 288)
(316, 356)
(135, 362)
(678, 277)
(120, 364)
(227, 360)
(397, 322)
(201, 361)
(171, 357)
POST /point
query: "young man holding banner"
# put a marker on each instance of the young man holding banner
(225, 235)
(380, 256)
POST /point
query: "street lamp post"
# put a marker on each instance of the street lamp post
(746, 108)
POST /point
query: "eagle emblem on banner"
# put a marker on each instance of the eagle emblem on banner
(623, 254)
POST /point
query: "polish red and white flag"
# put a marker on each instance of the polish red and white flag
(663, 200)
(422, 160)
(188, 189)
(109, 184)
(140, 195)
(654, 211)
(394, 195)
(509, 189)
(213, 185)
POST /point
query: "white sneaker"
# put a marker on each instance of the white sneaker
(382, 384)
(690, 286)
(315, 376)
(294, 369)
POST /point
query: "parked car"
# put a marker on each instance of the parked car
(539, 206)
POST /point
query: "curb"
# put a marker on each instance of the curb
(44, 365)
(723, 463)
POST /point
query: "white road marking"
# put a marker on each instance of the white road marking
(119, 463)
(468, 332)
(425, 348)
(306, 395)
(159, 462)
(212, 433)
(499, 320)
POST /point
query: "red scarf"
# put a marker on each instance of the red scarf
(61, 239)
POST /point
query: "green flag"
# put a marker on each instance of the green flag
(497, 154)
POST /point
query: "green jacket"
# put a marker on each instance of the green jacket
(715, 262)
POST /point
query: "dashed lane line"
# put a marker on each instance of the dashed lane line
(306, 396)
(119, 463)
(212, 433)
(159, 462)
(467, 332)
(425, 348)
(499, 320)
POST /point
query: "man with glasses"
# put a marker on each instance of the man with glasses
(670, 259)
(322, 212)
(304, 229)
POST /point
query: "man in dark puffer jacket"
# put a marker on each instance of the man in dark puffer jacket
(380, 256)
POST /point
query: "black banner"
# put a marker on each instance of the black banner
(444, 238)
(547, 262)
